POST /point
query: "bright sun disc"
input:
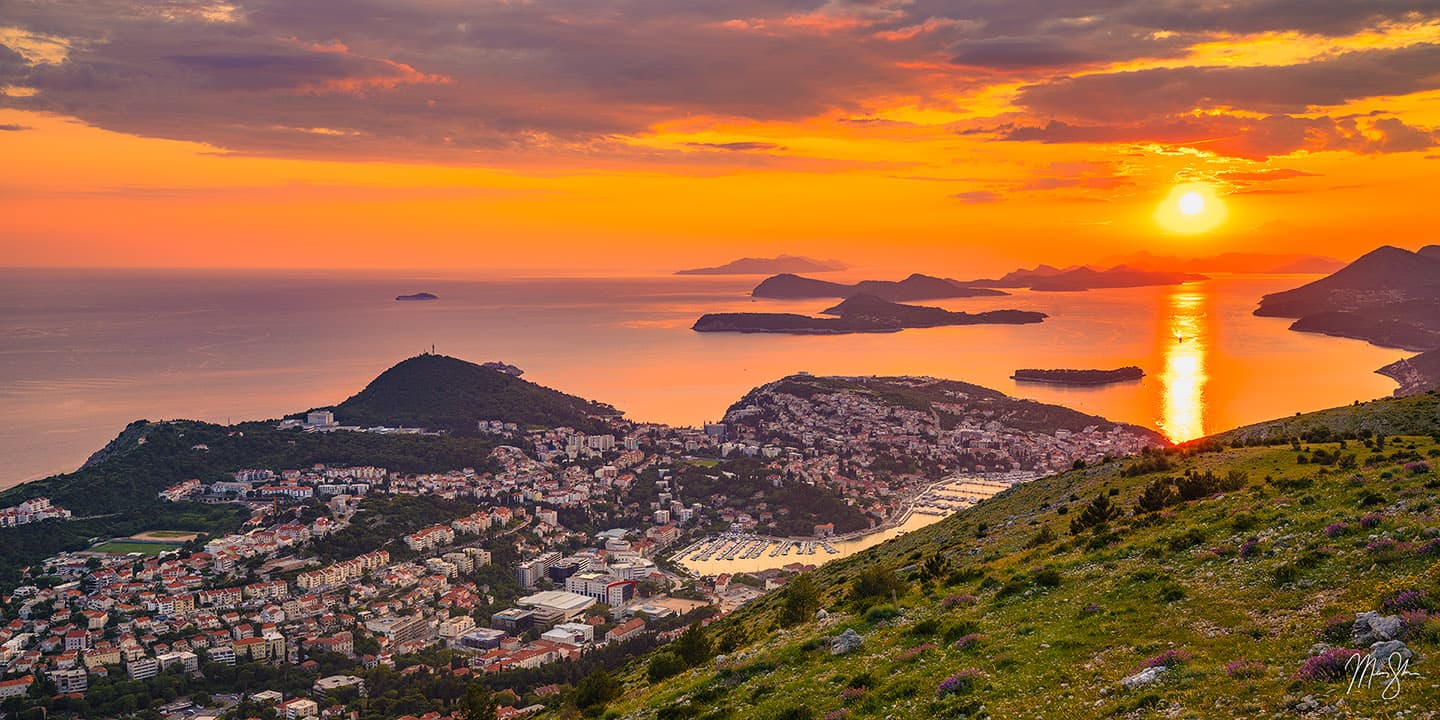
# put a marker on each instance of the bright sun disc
(1191, 208)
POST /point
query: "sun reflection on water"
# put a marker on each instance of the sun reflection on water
(1182, 415)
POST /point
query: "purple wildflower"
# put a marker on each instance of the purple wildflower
(1336, 529)
(961, 682)
(1244, 669)
(1328, 666)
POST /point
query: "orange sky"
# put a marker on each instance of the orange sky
(635, 136)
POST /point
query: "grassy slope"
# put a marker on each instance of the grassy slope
(1045, 656)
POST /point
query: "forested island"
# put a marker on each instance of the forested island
(861, 313)
(1079, 377)
(420, 296)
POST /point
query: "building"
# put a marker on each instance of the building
(601, 587)
(224, 655)
(142, 668)
(513, 620)
(555, 606)
(187, 660)
(297, 708)
(531, 571)
(399, 630)
(74, 680)
(338, 682)
(19, 687)
(482, 639)
(320, 419)
(626, 630)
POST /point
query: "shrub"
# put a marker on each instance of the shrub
(960, 683)
(1245, 669)
(914, 652)
(1405, 600)
(1169, 658)
(967, 641)
(1047, 577)
(1337, 628)
(663, 666)
(1418, 467)
(1371, 520)
(881, 613)
(1328, 666)
(1384, 550)
(1249, 549)
(851, 694)
(959, 600)
(1336, 529)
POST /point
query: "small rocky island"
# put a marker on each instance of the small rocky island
(1079, 377)
(417, 297)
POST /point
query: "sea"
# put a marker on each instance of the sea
(83, 352)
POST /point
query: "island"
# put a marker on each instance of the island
(420, 296)
(861, 313)
(785, 323)
(914, 287)
(1079, 377)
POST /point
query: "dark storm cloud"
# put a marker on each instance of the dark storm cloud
(1141, 94)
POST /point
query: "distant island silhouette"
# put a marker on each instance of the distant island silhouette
(767, 266)
(1079, 377)
(417, 296)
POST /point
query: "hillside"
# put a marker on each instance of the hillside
(1224, 565)
(1046, 278)
(869, 308)
(445, 393)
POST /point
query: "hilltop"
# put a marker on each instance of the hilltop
(861, 313)
(445, 393)
(1240, 570)
(1388, 297)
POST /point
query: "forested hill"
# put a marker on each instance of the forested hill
(445, 393)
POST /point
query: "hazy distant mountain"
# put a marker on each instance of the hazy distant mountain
(768, 266)
(915, 287)
(1234, 262)
(1077, 278)
(1388, 297)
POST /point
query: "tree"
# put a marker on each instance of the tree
(935, 567)
(801, 600)
(596, 690)
(875, 582)
(693, 647)
(1097, 514)
(1156, 496)
(477, 704)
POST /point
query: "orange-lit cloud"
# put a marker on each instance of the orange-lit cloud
(641, 133)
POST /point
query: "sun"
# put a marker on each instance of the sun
(1190, 208)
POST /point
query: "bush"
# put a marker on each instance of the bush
(960, 683)
(1245, 669)
(664, 665)
(1328, 666)
(881, 613)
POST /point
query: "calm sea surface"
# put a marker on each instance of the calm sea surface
(84, 352)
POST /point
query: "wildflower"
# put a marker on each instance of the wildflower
(1336, 529)
(954, 601)
(1328, 666)
(1169, 658)
(1371, 520)
(967, 641)
(1249, 549)
(1244, 669)
(961, 682)
(1405, 600)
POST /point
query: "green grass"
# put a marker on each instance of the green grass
(169, 533)
(1173, 580)
(120, 547)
